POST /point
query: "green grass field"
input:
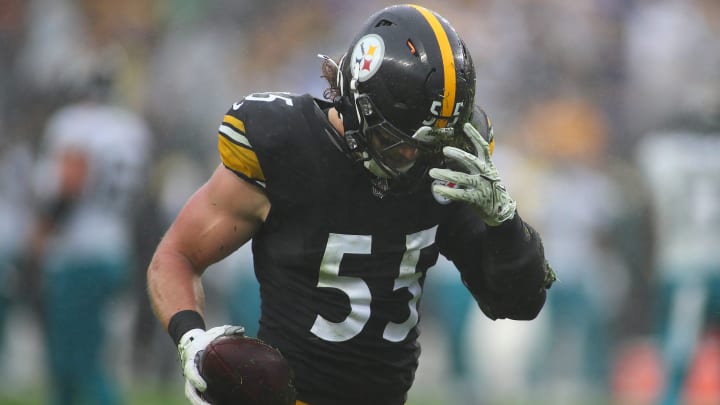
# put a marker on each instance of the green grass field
(138, 397)
(167, 398)
(174, 396)
(144, 398)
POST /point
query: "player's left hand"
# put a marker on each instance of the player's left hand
(479, 183)
(191, 344)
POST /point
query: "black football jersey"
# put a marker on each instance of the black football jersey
(341, 270)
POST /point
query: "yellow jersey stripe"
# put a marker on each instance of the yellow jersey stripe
(241, 160)
(234, 129)
(448, 59)
(234, 135)
(234, 122)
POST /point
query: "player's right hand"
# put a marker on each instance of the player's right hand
(478, 180)
(191, 344)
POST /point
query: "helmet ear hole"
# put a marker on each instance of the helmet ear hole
(412, 47)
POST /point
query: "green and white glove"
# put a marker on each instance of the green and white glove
(191, 344)
(478, 184)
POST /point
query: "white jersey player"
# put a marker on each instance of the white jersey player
(682, 171)
(90, 173)
(683, 174)
(114, 145)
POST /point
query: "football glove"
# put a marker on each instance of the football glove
(479, 183)
(191, 344)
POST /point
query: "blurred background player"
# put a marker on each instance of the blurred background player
(672, 104)
(683, 173)
(567, 137)
(89, 175)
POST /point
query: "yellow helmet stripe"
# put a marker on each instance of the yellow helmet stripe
(448, 60)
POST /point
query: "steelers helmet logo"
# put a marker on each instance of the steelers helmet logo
(367, 56)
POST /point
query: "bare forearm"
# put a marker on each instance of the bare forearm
(173, 285)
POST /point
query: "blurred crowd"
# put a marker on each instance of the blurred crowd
(607, 121)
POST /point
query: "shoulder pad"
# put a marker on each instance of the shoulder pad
(247, 125)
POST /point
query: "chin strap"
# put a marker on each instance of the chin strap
(347, 112)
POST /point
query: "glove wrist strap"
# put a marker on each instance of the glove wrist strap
(184, 321)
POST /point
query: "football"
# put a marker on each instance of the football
(241, 370)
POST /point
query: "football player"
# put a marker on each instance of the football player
(685, 192)
(89, 176)
(348, 204)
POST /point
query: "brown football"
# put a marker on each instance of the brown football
(241, 370)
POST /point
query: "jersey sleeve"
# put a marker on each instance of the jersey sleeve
(236, 151)
(503, 267)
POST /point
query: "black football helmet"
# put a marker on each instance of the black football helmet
(407, 68)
